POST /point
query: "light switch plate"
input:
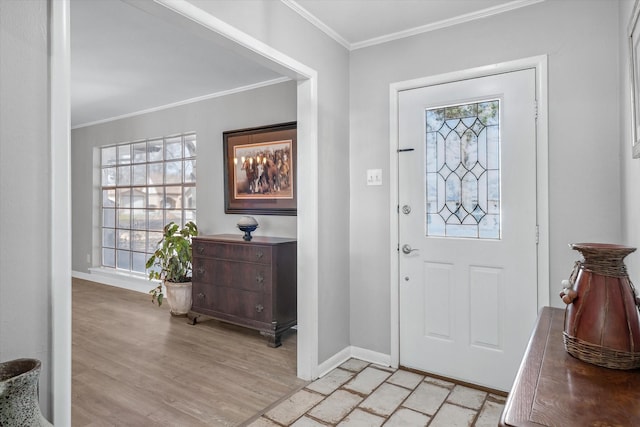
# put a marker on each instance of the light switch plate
(374, 176)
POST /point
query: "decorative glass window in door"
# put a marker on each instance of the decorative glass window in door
(463, 170)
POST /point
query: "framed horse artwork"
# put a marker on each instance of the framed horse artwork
(259, 170)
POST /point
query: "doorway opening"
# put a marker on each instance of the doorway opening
(307, 219)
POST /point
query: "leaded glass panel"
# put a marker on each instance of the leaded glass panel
(462, 164)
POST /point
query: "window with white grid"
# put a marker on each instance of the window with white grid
(144, 185)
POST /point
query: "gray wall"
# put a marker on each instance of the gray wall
(279, 27)
(209, 118)
(630, 170)
(581, 40)
(25, 281)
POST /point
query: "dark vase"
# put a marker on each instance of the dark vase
(19, 394)
(602, 322)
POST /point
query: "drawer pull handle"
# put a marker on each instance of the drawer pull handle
(200, 295)
(259, 255)
(200, 249)
(259, 308)
(259, 278)
(200, 271)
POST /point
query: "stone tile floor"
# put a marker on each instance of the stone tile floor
(359, 393)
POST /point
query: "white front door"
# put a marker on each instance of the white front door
(467, 227)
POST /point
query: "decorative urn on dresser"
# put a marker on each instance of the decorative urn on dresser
(248, 225)
(602, 321)
(251, 283)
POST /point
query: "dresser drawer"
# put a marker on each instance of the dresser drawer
(247, 253)
(232, 302)
(238, 275)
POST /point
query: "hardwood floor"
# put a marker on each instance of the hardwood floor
(135, 365)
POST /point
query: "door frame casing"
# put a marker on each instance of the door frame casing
(307, 219)
(539, 63)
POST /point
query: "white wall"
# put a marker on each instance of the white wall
(630, 170)
(580, 38)
(279, 27)
(24, 188)
(209, 118)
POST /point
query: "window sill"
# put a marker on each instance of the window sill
(105, 276)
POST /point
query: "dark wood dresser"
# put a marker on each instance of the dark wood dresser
(553, 388)
(252, 284)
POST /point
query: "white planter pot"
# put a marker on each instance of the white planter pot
(179, 297)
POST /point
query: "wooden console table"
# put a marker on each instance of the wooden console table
(553, 388)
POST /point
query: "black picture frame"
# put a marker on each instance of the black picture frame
(260, 170)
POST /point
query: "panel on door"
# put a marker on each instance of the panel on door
(468, 284)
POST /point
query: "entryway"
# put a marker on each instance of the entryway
(468, 225)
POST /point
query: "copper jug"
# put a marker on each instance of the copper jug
(602, 322)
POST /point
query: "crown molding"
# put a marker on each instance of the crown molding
(316, 22)
(186, 101)
(480, 14)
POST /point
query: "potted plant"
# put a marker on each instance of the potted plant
(172, 262)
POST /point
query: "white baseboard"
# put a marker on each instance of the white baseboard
(371, 356)
(334, 361)
(118, 280)
(353, 352)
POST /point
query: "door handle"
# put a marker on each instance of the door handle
(407, 249)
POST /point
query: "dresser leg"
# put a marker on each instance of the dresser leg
(192, 318)
(274, 339)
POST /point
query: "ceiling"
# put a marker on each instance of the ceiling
(133, 56)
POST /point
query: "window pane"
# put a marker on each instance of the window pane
(153, 241)
(156, 220)
(108, 198)
(139, 241)
(189, 215)
(139, 174)
(173, 148)
(173, 172)
(155, 176)
(154, 150)
(109, 237)
(189, 199)
(124, 175)
(124, 239)
(108, 177)
(155, 197)
(109, 218)
(139, 197)
(139, 260)
(108, 257)
(124, 154)
(139, 219)
(140, 152)
(173, 197)
(123, 197)
(124, 263)
(189, 146)
(124, 218)
(108, 156)
(175, 216)
(189, 171)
